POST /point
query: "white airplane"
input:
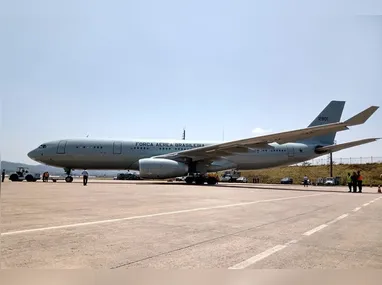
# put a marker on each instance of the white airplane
(170, 158)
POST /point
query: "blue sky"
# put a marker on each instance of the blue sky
(146, 69)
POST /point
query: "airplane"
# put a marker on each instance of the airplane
(163, 159)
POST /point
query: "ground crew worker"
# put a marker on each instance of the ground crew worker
(3, 175)
(47, 176)
(354, 180)
(359, 181)
(305, 181)
(85, 177)
(349, 181)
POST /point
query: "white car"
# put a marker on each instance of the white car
(242, 179)
(329, 181)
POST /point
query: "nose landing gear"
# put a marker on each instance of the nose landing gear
(68, 178)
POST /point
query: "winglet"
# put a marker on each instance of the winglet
(362, 117)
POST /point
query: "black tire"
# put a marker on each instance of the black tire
(69, 179)
(29, 178)
(14, 177)
(189, 180)
(199, 181)
(211, 181)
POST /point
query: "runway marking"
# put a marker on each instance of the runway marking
(292, 242)
(277, 248)
(366, 204)
(338, 219)
(155, 215)
(316, 229)
(258, 257)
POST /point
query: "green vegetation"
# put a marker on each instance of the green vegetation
(370, 172)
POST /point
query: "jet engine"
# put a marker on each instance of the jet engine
(151, 168)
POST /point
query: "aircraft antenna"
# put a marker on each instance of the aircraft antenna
(184, 133)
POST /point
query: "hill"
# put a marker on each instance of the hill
(371, 173)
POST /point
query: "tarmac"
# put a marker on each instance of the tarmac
(164, 225)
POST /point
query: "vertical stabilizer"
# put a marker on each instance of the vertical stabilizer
(331, 114)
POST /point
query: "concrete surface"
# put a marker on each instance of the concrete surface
(114, 224)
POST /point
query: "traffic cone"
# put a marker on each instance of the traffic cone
(379, 189)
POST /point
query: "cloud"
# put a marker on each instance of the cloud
(260, 131)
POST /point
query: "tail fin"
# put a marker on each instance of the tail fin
(331, 114)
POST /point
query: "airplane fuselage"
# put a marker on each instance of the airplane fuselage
(120, 154)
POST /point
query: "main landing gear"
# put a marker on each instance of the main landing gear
(68, 178)
(200, 179)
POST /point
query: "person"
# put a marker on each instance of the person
(354, 181)
(3, 175)
(45, 176)
(349, 181)
(359, 181)
(85, 176)
(305, 181)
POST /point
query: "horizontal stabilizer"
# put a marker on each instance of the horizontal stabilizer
(362, 117)
(338, 147)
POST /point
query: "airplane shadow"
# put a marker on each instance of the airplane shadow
(252, 187)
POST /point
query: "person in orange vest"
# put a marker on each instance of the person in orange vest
(359, 181)
(354, 181)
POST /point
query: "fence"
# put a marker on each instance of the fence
(343, 160)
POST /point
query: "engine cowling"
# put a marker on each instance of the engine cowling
(151, 168)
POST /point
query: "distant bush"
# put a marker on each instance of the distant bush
(371, 173)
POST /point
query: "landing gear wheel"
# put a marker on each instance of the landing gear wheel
(189, 180)
(199, 181)
(69, 179)
(211, 181)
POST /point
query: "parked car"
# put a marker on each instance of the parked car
(332, 181)
(242, 179)
(286, 180)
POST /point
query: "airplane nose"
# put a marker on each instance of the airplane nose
(32, 154)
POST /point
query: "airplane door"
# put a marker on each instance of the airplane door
(117, 148)
(290, 151)
(61, 147)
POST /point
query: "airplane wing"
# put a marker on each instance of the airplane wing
(338, 147)
(237, 146)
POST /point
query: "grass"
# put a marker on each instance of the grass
(370, 172)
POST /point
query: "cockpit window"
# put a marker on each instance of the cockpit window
(42, 146)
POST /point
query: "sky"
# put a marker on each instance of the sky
(146, 69)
